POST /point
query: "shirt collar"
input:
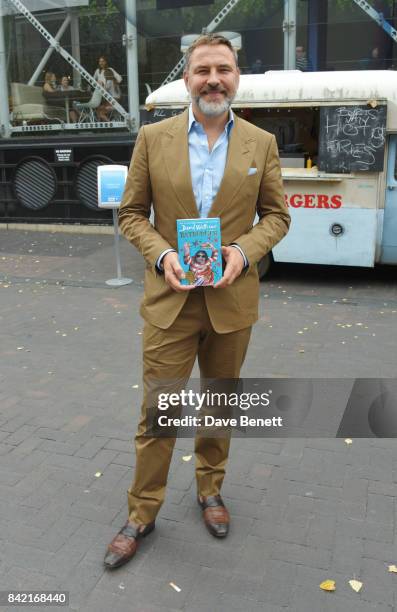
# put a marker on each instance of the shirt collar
(193, 120)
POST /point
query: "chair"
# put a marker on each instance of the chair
(29, 104)
(114, 115)
(87, 109)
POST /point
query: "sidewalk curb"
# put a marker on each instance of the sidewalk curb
(56, 227)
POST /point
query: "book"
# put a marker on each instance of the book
(199, 250)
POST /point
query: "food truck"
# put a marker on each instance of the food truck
(337, 139)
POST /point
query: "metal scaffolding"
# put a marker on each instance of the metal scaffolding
(5, 127)
(127, 119)
(289, 29)
(378, 18)
(211, 27)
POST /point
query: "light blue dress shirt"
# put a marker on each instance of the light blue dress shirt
(206, 167)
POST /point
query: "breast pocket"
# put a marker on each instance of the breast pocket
(250, 186)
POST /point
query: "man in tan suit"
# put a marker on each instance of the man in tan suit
(205, 162)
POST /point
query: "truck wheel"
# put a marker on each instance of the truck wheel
(264, 265)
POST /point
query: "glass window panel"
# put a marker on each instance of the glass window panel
(99, 31)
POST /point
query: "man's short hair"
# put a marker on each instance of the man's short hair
(208, 39)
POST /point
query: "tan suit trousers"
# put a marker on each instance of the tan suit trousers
(169, 354)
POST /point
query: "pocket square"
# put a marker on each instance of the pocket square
(252, 171)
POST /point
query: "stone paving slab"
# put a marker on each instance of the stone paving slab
(303, 510)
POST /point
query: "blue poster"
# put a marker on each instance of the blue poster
(111, 183)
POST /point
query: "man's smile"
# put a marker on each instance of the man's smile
(213, 93)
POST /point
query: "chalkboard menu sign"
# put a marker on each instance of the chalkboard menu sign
(157, 114)
(352, 138)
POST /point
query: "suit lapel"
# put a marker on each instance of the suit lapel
(240, 154)
(175, 145)
(176, 159)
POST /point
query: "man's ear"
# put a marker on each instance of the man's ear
(186, 78)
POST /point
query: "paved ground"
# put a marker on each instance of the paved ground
(303, 510)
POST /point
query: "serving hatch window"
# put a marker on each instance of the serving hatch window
(296, 131)
(338, 139)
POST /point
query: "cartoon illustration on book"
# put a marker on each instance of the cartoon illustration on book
(199, 249)
(200, 264)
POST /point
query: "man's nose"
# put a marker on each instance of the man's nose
(213, 78)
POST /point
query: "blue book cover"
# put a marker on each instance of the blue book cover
(199, 249)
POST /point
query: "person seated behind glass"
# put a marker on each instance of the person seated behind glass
(302, 62)
(109, 79)
(66, 86)
(374, 61)
(50, 89)
(50, 83)
(257, 67)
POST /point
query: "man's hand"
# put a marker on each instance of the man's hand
(173, 273)
(234, 266)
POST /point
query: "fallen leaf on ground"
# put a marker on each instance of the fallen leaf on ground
(393, 569)
(328, 585)
(356, 585)
(175, 587)
(186, 457)
(349, 441)
(98, 474)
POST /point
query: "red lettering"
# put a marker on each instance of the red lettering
(309, 200)
(322, 201)
(294, 202)
(336, 201)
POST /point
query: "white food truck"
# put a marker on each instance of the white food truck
(337, 138)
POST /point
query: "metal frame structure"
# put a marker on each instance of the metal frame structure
(129, 120)
(378, 17)
(289, 29)
(211, 27)
(49, 51)
(5, 127)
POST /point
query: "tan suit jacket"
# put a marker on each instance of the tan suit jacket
(160, 174)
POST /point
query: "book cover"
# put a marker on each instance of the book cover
(199, 249)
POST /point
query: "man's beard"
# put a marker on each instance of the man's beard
(213, 109)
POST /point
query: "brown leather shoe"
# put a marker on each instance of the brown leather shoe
(215, 515)
(123, 546)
